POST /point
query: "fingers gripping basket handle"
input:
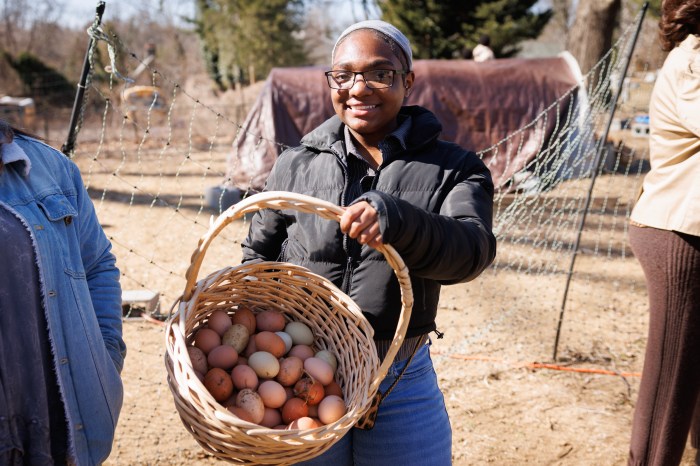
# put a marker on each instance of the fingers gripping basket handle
(285, 200)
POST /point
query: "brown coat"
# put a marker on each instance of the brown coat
(670, 199)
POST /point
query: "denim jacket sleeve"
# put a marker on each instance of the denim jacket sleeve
(101, 273)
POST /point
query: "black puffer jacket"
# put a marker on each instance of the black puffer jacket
(435, 204)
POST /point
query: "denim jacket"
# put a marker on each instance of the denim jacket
(80, 292)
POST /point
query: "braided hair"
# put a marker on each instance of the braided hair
(679, 18)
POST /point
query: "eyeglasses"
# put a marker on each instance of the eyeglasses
(374, 79)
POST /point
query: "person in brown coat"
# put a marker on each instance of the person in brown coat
(665, 238)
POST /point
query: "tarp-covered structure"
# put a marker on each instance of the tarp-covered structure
(478, 104)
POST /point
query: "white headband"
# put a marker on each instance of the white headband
(386, 29)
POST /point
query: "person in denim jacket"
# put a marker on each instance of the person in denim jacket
(61, 347)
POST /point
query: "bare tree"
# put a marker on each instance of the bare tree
(592, 32)
(13, 13)
(21, 21)
(562, 14)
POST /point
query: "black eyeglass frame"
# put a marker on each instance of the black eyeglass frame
(332, 83)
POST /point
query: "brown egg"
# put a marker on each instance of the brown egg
(291, 370)
(294, 409)
(198, 359)
(270, 342)
(250, 347)
(305, 422)
(333, 389)
(244, 316)
(271, 321)
(223, 356)
(244, 376)
(219, 321)
(236, 336)
(206, 339)
(250, 401)
(331, 409)
(313, 411)
(272, 394)
(319, 370)
(219, 383)
(303, 352)
(309, 390)
(272, 418)
(240, 413)
(230, 401)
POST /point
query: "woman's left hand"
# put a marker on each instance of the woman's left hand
(361, 222)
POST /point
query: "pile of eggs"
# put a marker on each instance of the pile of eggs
(265, 370)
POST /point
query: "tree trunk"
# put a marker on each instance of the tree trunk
(591, 34)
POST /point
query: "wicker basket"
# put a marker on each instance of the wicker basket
(336, 321)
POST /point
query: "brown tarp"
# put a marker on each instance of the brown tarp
(478, 104)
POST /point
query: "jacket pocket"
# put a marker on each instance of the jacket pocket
(57, 207)
(60, 214)
(98, 374)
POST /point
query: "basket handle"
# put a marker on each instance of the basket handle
(286, 200)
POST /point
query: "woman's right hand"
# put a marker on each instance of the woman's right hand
(361, 222)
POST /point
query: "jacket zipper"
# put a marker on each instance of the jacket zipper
(345, 285)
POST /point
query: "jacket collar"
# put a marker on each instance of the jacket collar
(13, 153)
(399, 135)
(425, 128)
(691, 43)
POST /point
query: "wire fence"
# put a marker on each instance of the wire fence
(151, 154)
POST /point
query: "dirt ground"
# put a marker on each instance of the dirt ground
(505, 407)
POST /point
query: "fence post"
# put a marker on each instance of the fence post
(69, 146)
(596, 166)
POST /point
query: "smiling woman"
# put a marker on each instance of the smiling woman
(401, 185)
(369, 108)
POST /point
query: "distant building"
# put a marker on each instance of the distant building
(19, 112)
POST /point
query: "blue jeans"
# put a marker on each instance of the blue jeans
(412, 426)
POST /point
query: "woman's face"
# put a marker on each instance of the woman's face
(369, 113)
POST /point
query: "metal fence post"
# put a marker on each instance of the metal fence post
(596, 166)
(69, 146)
